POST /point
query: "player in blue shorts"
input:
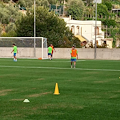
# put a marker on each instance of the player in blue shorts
(49, 52)
(15, 50)
(74, 56)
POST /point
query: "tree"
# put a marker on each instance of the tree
(109, 5)
(43, 3)
(8, 14)
(6, 1)
(109, 22)
(10, 27)
(102, 10)
(29, 3)
(75, 8)
(52, 1)
(22, 3)
(88, 2)
(89, 13)
(47, 25)
(0, 28)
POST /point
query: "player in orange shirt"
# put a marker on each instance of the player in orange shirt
(53, 49)
(74, 56)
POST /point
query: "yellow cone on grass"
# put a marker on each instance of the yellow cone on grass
(56, 92)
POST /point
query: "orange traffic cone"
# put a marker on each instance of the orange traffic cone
(56, 92)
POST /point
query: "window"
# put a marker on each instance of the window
(72, 29)
(77, 33)
(97, 30)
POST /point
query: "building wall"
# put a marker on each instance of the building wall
(63, 53)
(86, 29)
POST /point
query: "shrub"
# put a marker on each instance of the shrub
(9, 34)
(109, 22)
(108, 5)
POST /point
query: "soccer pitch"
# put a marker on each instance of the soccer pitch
(91, 91)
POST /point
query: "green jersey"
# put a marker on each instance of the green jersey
(15, 49)
(49, 49)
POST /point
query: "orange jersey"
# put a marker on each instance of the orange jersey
(52, 47)
(73, 53)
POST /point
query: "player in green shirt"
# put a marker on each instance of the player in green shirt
(49, 52)
(15, 50)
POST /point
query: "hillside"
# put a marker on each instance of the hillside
(108, 12)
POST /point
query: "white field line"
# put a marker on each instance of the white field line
(62, 61)
(44, 60)
(85, 69)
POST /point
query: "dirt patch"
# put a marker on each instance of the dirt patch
(56, 113)
(13, 115)
(114, 96)
(68, 80)
(62, 105)
(5, 92)
(101, 81)
(38, 95)
(95, 97)
(40, 79)
(17, 99)
(9, 75)
(34, 88)
(75, 106)
(117, 91)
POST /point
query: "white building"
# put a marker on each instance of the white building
(86, 29)
(98, 1)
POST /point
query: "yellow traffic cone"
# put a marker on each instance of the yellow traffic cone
(56, 92)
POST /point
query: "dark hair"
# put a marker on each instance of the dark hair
(13, 43)
(73, 46)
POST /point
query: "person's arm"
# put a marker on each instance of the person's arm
(77, 56)
(54, 49)
(12, 50)
(70, 53)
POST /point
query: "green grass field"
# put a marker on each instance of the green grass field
(91, 91)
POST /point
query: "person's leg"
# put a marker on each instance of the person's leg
(49, 56)
(15, 58)
(71, 63)
(74, 64)
(52, 55)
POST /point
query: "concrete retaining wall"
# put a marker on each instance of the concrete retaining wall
(63, 53)
(88, 53)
